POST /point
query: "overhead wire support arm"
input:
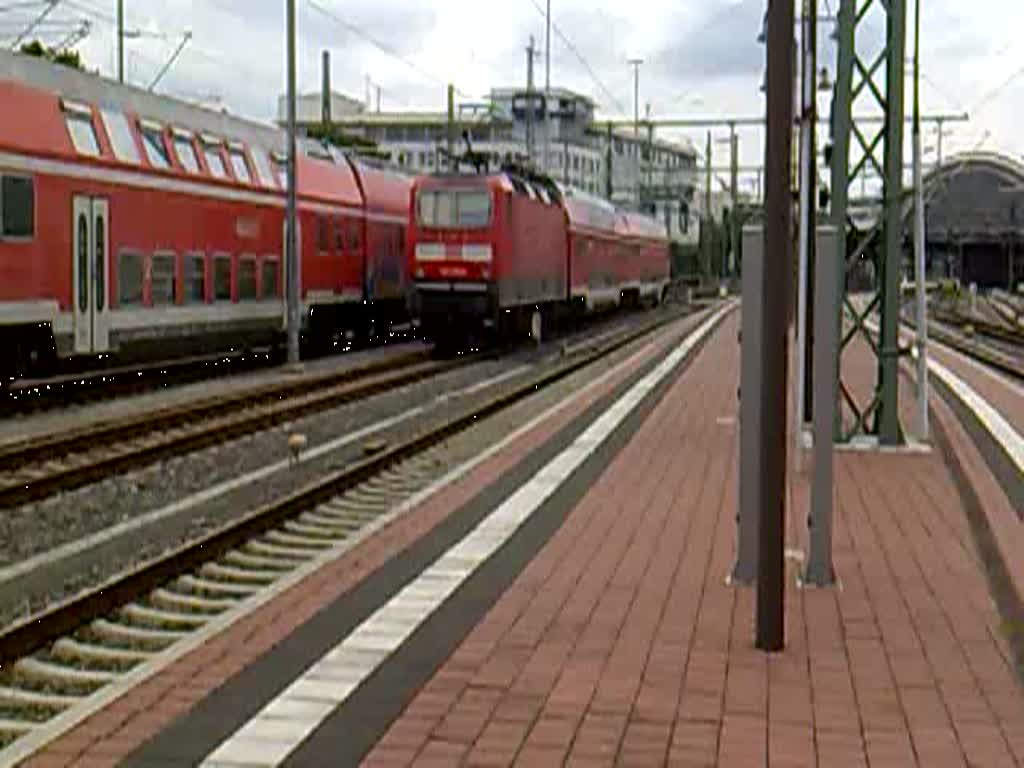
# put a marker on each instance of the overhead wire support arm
(170, 62)
(51, 6)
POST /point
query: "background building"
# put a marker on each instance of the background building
(560, 135)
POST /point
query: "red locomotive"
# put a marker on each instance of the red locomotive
(497, 254)
(140, 226)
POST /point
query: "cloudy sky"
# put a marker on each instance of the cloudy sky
(701, 57)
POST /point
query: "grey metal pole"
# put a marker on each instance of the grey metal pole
(120, 41)
(325, 90)
(451, 124)
(291, 232)
(919, 240)
(708, 217)
(888, 412)
(775, 350)
(547, 88)
(734, 195)
(529, 100)
(820, 570)
(806, 170)
(635, 63)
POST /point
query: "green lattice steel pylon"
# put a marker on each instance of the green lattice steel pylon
(856, 151)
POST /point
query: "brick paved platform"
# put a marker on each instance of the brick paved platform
(621, 643)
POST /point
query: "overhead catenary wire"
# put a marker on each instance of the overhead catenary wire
(579, 57)
(383, 47)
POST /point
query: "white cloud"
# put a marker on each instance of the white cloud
(701, 57)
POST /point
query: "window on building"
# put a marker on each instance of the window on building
(162, 279)
(268, 279)
(575, 162)
(120, 133)
(239, 165)
(222, 277)
(17, 206)
(247, 278)
(83, 133)
(156, 149)
(195, 278)
(186, 152)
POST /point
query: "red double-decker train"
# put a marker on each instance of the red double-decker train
(502, 254)
(137, 226)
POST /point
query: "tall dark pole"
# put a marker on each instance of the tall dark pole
(120, 41)
(325, 91)
(291, 233)
(775, 349)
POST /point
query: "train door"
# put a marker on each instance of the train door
(90, 288)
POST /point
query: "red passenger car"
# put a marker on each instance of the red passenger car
(140, 226)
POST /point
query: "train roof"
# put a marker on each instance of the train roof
(634, 224)
(78, 85)
(41, 92)
(385, 191)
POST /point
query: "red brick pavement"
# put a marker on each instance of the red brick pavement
(621, 642)
(117, 730)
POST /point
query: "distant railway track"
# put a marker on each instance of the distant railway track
(38, 467)
(55, 660)
(1009, 361)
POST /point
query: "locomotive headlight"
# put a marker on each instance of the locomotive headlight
(485, 273)
(477, 253)
(420, 273)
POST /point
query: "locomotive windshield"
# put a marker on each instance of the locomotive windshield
(454, 208)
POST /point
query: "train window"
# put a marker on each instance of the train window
(156, 149)
(222, 278)
(83, 133)
(120, 133)
(129, 278)
(240, 166)
(323, 234)
(186, 152)
(339, 235)
(214, 161)
(353, 236)
(246, 278)
(263, 170)
(17, 206)
(162, 279)
(268, 279)
(195, 278)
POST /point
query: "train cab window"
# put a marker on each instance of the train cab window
(121, 139)
(129, 278)
(214, 160)
(83, 132)
(268, 279)
(239, 164)
(222, 277)
(195, 278)
(263, 169)
(156, 148)
(186, 151)
(162, 279)
(247, 278)
(17, 206)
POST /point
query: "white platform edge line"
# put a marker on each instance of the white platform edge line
(29, 744)
(507, 518)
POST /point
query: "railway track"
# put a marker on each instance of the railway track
(1008, 360)
(34, 468)
(53, 662)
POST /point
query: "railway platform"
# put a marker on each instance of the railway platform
(564, 599)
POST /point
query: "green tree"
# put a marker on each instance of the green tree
(67, 57)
